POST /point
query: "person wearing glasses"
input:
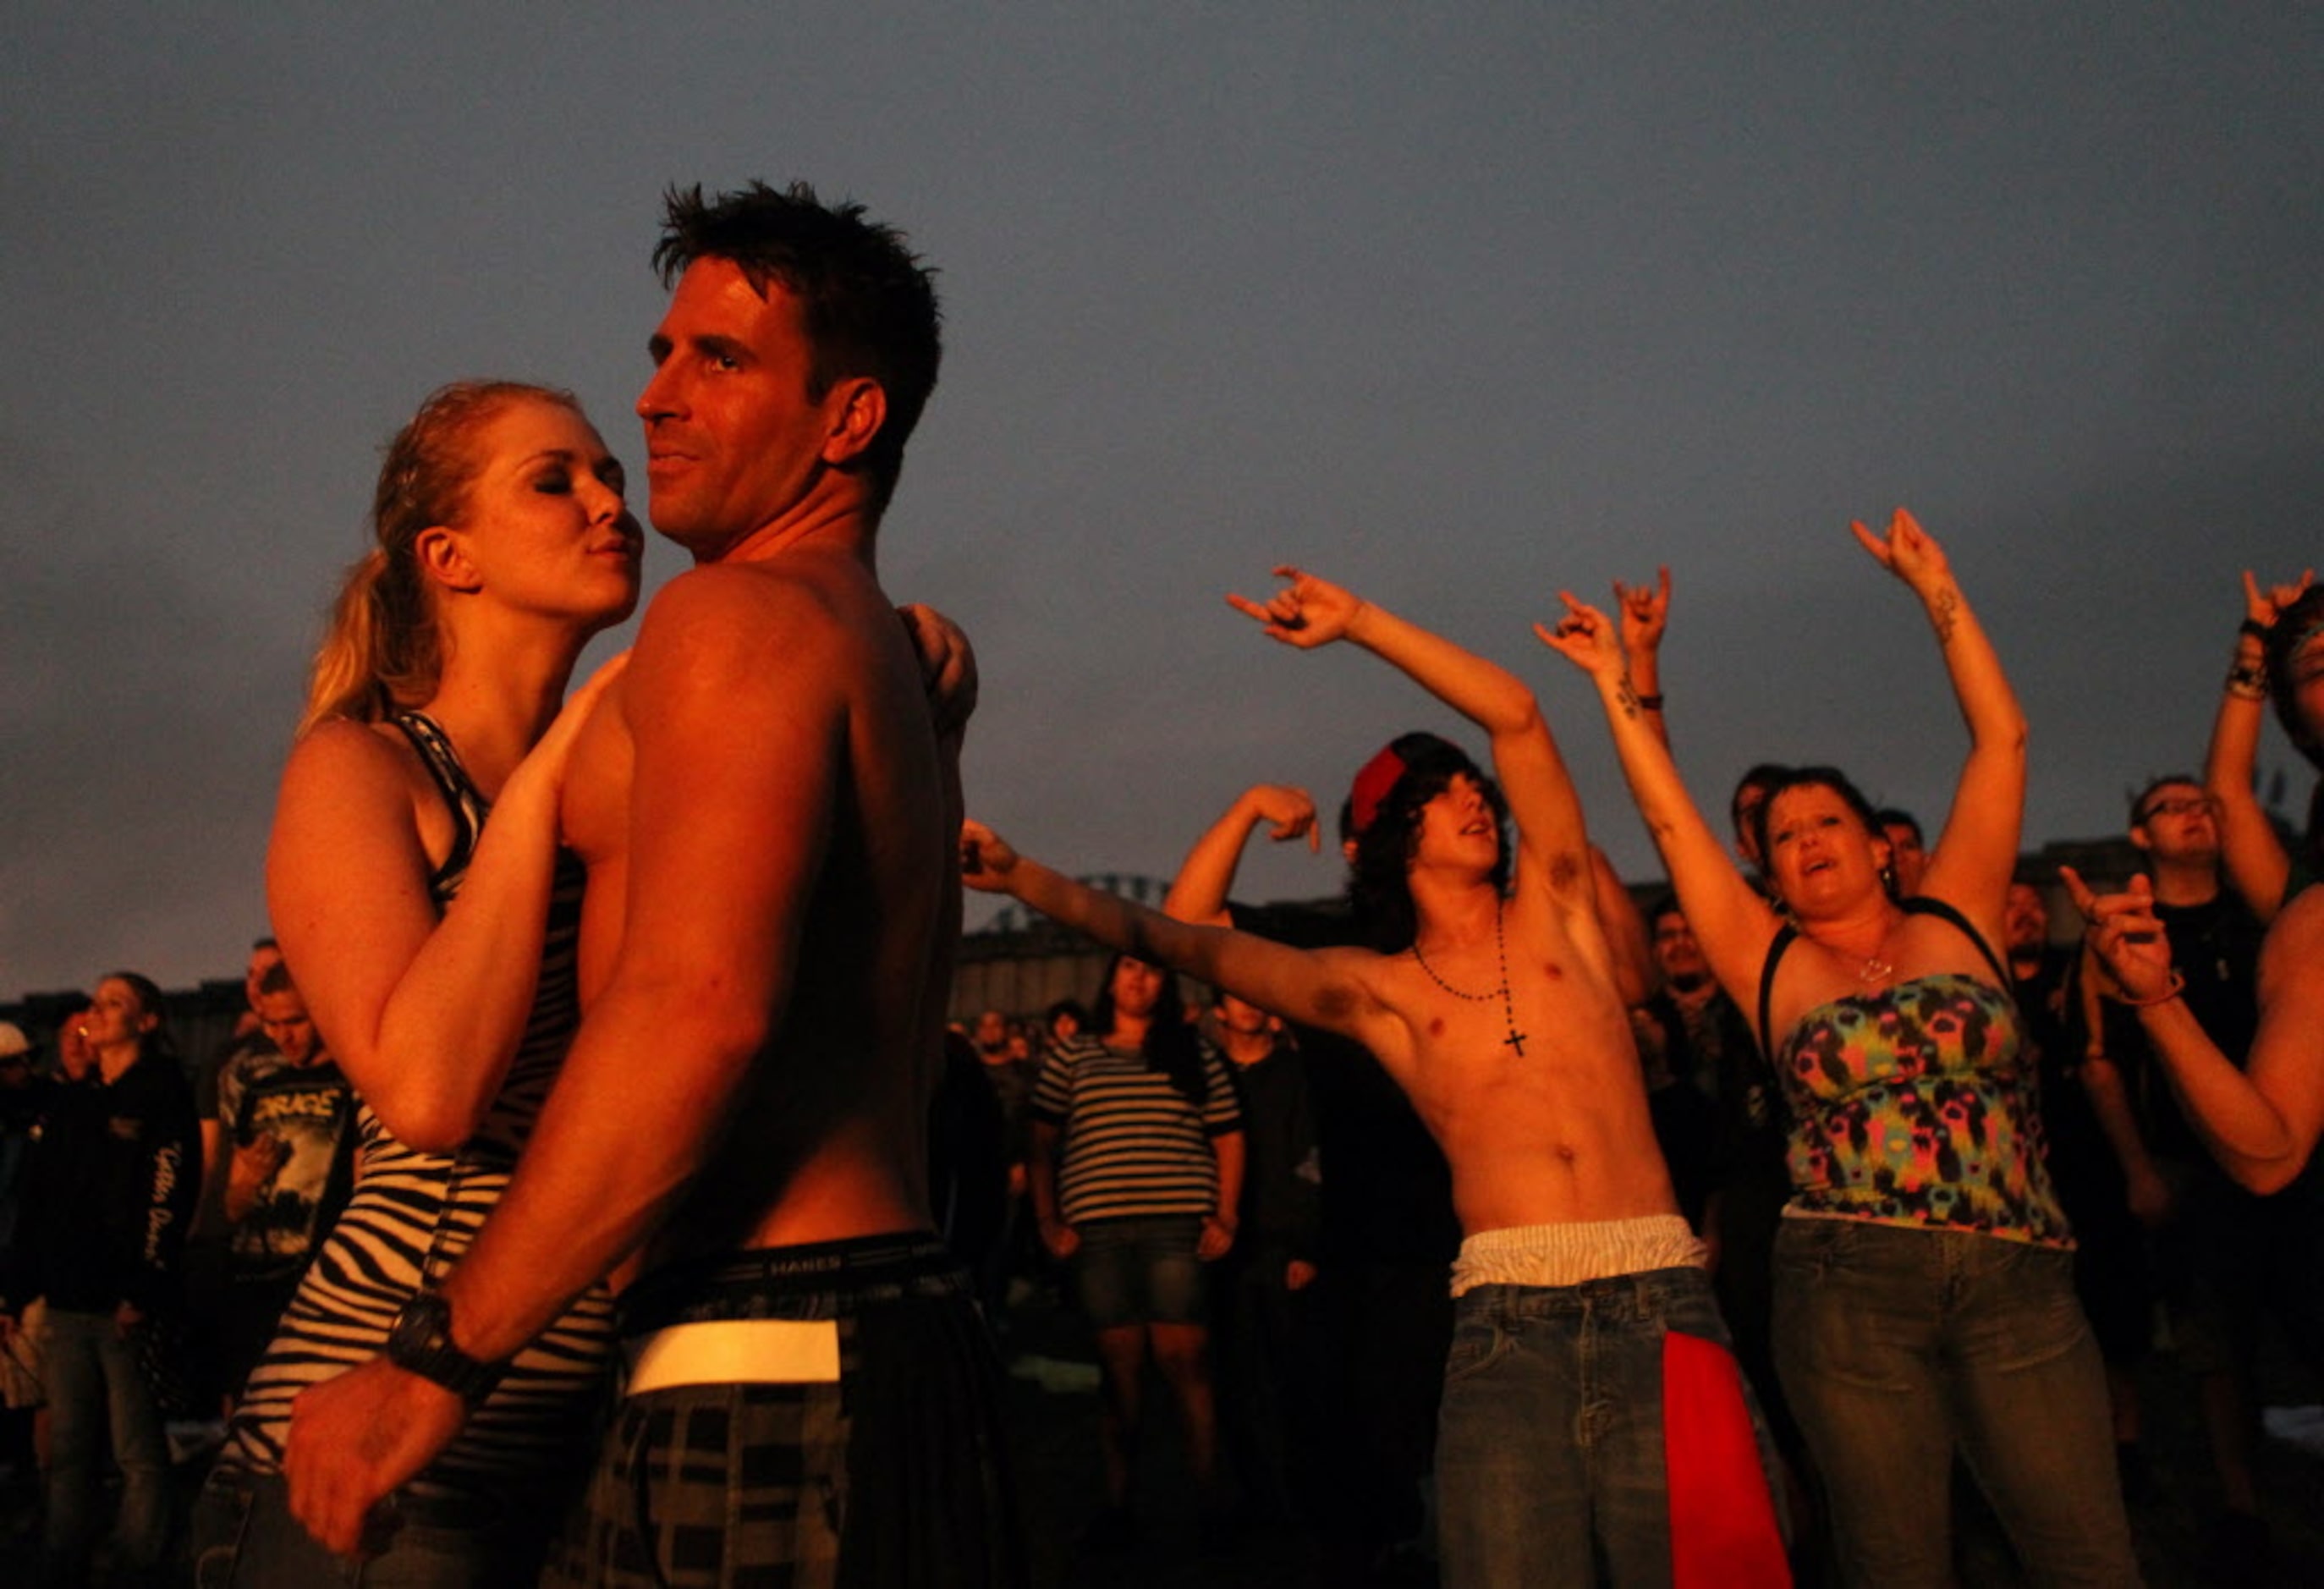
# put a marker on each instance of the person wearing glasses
(2219, 1256)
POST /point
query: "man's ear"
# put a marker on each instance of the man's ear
(858, 407)
(442, 554)
(2138, 837)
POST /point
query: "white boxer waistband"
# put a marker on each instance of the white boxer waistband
(735, 1351)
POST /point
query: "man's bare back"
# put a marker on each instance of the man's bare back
(766, 812)
(825, 1139)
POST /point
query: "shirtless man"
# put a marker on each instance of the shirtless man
(1579, 1290)
(765, 808)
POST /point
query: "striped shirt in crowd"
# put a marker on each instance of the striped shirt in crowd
(1134, 1147)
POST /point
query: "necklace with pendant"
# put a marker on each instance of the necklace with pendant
(1876, 970)
(1515, 1039)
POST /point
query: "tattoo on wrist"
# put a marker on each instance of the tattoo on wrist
(1626, 698)
(1944, 611)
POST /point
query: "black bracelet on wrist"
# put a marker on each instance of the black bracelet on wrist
(2247, 682)
(2254, 628)
(1650, 703)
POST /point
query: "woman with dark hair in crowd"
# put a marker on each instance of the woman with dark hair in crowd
(109, 1193)
(2261, 1121)
(437, 953)
(1136, 1172)
(1924, 1289)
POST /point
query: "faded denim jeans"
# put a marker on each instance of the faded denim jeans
(1551, 1466)
(96, 1388)
(1899, 1346)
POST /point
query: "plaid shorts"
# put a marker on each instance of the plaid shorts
(895, 1475)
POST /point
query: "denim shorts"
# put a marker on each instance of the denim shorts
(1141, 1271)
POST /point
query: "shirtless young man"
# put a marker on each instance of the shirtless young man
(765, 809)
(1580, 1291)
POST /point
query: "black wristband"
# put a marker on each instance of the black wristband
(419, 1339)
(2254, 628)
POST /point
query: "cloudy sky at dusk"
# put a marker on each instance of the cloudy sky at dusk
(1456, 304)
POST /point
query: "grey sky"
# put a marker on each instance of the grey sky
(1454, 304)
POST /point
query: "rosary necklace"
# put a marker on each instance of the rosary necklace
(1515, 1039)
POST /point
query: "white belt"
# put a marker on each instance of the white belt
(736, 1352)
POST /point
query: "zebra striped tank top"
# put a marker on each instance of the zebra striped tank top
(412, 1216)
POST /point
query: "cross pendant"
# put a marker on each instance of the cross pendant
(1515, 1039)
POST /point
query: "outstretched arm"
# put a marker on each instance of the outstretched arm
(2261, 1123)
(1206, 876)
(1553, 843)
(1319, 987)
(423, 1012)
(2254, 855)
(1733, 922)
(1977, 853)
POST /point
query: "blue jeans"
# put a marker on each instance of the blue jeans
(1899, 1346)
(1551, 1464)
(96, 1388)
(244, 1536)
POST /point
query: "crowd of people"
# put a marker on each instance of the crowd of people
(593, 1193)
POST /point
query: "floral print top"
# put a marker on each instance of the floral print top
(1916, 1106)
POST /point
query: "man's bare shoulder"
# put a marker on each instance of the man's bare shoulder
(787, 617)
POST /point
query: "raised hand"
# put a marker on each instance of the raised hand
(947, 666)
(1288, 811)
(2264, 607)
(2126, 936)
(986, 859)
(1907, 552)
(1307, 612)
(1584, 637)
(1645, 612)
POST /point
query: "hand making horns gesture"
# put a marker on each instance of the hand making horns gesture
(1307, 612)
(1584, 637)
(1907, 552)
(2127, 936)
